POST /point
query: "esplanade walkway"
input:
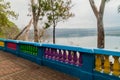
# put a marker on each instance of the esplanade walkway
(16, 68)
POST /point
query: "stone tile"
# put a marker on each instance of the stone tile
(15, 68)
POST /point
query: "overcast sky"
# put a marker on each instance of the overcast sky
(84, 17)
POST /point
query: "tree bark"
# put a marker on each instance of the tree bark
(36, 15)
(17, 36)
(100, 26)
(28, 30)
(54, 34)
(36, 37)
(100, 31)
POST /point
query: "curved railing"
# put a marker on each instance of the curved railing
(84, 63)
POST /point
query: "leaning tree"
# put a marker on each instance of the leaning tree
(99, 13)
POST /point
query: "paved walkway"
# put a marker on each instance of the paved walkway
(15, 68)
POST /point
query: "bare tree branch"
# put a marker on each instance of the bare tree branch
(94, 8)
(26, 27)
(102, 7)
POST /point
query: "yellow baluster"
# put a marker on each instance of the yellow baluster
(2, 44)
(106, 65)
(98, 63)
(116, 66)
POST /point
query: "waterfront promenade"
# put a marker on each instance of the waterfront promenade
(16, 68)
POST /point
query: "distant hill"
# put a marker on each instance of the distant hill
(72, 32)
(114, 31)
(78, 32)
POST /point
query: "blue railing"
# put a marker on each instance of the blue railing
(84, 63)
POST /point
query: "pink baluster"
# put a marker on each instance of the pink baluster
(75, 58)
(46, 53)
(69, 57)
(60, 57)
(64, 56)
(56, 55)
(80, 59)
(53, 54)
(49, 53)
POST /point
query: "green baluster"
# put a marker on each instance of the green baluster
(33, 50)
(30, 49)
(36, 51)
(24, 48)
(27, 48)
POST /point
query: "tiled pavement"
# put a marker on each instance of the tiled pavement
(15, 68)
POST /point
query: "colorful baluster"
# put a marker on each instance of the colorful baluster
(36, 51)
(80, 59)
(50, 53)
(28, 48)
(107, 64)
(46, 53)
(98, 63)
(53, 53)
(64, 56)
(75, 58)
(31, 49)
(69, 57)
(102, 63)
(23, 47)
(60, 56)
(56, 54)
(116, 66)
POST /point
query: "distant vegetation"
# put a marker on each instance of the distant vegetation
(9, 31)
(7, 28)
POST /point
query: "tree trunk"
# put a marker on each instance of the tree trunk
(100, 27)
(28, 30)
(54, 34)
(16, 37)
(36, 37)
(100, 33)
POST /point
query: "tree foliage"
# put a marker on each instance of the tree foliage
(7, 28)
(59, 10)
(48, 12)
(6, 13)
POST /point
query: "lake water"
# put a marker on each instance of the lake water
(111, 42)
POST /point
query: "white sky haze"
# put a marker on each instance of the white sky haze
(84, 17)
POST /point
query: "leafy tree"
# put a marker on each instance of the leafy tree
(38, 9)
(6, 13)
(10, 32)
(100, 26)
(59, 10)
(49, 12)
